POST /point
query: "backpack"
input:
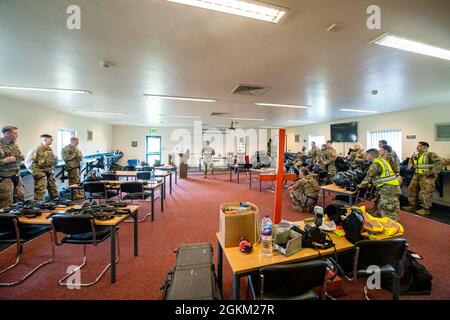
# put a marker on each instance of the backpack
(415, 281)
(353, 226)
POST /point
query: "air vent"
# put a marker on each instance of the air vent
(218, 114)
(250, 90)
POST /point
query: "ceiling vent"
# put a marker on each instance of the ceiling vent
(250, 90)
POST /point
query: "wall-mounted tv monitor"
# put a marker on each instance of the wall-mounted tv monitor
(344, 132)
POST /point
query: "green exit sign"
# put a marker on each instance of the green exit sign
(153, 131)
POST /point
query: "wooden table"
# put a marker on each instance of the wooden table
(237, 168)
(44, 219)
(333, 188)
(158, 173)
(269, 174)
(170, 168)
(115, 184)
(244, 264)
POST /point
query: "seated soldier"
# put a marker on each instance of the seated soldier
(304, 192)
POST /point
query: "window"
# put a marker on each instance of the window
(392, 136)
(153, 150)
(63, 139)
(319, 140)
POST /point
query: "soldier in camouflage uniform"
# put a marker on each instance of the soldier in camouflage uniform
(383, 177)
(41, 162)
(304, 192)
(392, 157)
(427, 166)
(72, 157)
(314, 153)
(357, 155)
(389, 155)
(10, 160)
(329, 155)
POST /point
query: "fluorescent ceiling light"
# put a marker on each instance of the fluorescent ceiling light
(247, 8)
(392, 41)
(179, 98)
(179, 116)
(356, 110)
(281, 105)
(246, 119)
(99, 112)
(45, 89)
(300, 121)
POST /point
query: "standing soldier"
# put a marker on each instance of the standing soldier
(304, 192)
(208, 153)
(10, 160)
(329, 155)
(383, 177)
(314, 153)
(41, 162)
(427, 166)
(392, 153)
(72, 157)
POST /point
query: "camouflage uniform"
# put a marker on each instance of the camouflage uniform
(41, 162)
(388, 195)
(421, 188)
(72, 157)
(315, 154)
(327, 159)
(356, 157)
(10, 180)
(305, 193)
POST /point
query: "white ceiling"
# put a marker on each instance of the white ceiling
(164, 48)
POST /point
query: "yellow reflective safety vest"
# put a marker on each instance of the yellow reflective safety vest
(387, 175)
(421, 164)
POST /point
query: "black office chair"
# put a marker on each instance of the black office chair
(144, 175)
(81, 230)
(129, 168)
(110, 176)
(134, 190)
(97, 191)
(389, 255)
(290, 281)
(11, 232)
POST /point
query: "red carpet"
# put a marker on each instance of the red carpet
(191, 215)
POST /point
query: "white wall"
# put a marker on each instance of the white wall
(415, 121)
(34, 120)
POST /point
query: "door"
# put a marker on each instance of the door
(153, 150)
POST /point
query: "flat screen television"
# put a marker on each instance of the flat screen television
(344, 132)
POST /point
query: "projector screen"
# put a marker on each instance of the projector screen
(344, 132)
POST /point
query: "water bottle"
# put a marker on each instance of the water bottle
(266, 237)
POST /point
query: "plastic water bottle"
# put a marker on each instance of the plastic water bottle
(266, 237)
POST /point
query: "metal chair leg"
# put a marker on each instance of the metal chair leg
(18, 254)
(87, 284)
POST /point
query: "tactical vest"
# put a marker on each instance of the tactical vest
(421, 164)
(387, 175)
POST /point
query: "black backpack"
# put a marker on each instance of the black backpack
(353, 226)
(415, 281)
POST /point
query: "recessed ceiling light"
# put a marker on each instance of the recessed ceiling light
(179, 116)
(99, 112)
(281, 105)
(356, 110)
(248, 8)
(45, 89)
(392, 41)
(247, 119)
(179, 98)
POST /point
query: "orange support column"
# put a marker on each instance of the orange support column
(279, 180)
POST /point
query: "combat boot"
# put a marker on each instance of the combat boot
(410, 208)
(423, 212)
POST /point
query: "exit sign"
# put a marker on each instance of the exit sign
(153, 131)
